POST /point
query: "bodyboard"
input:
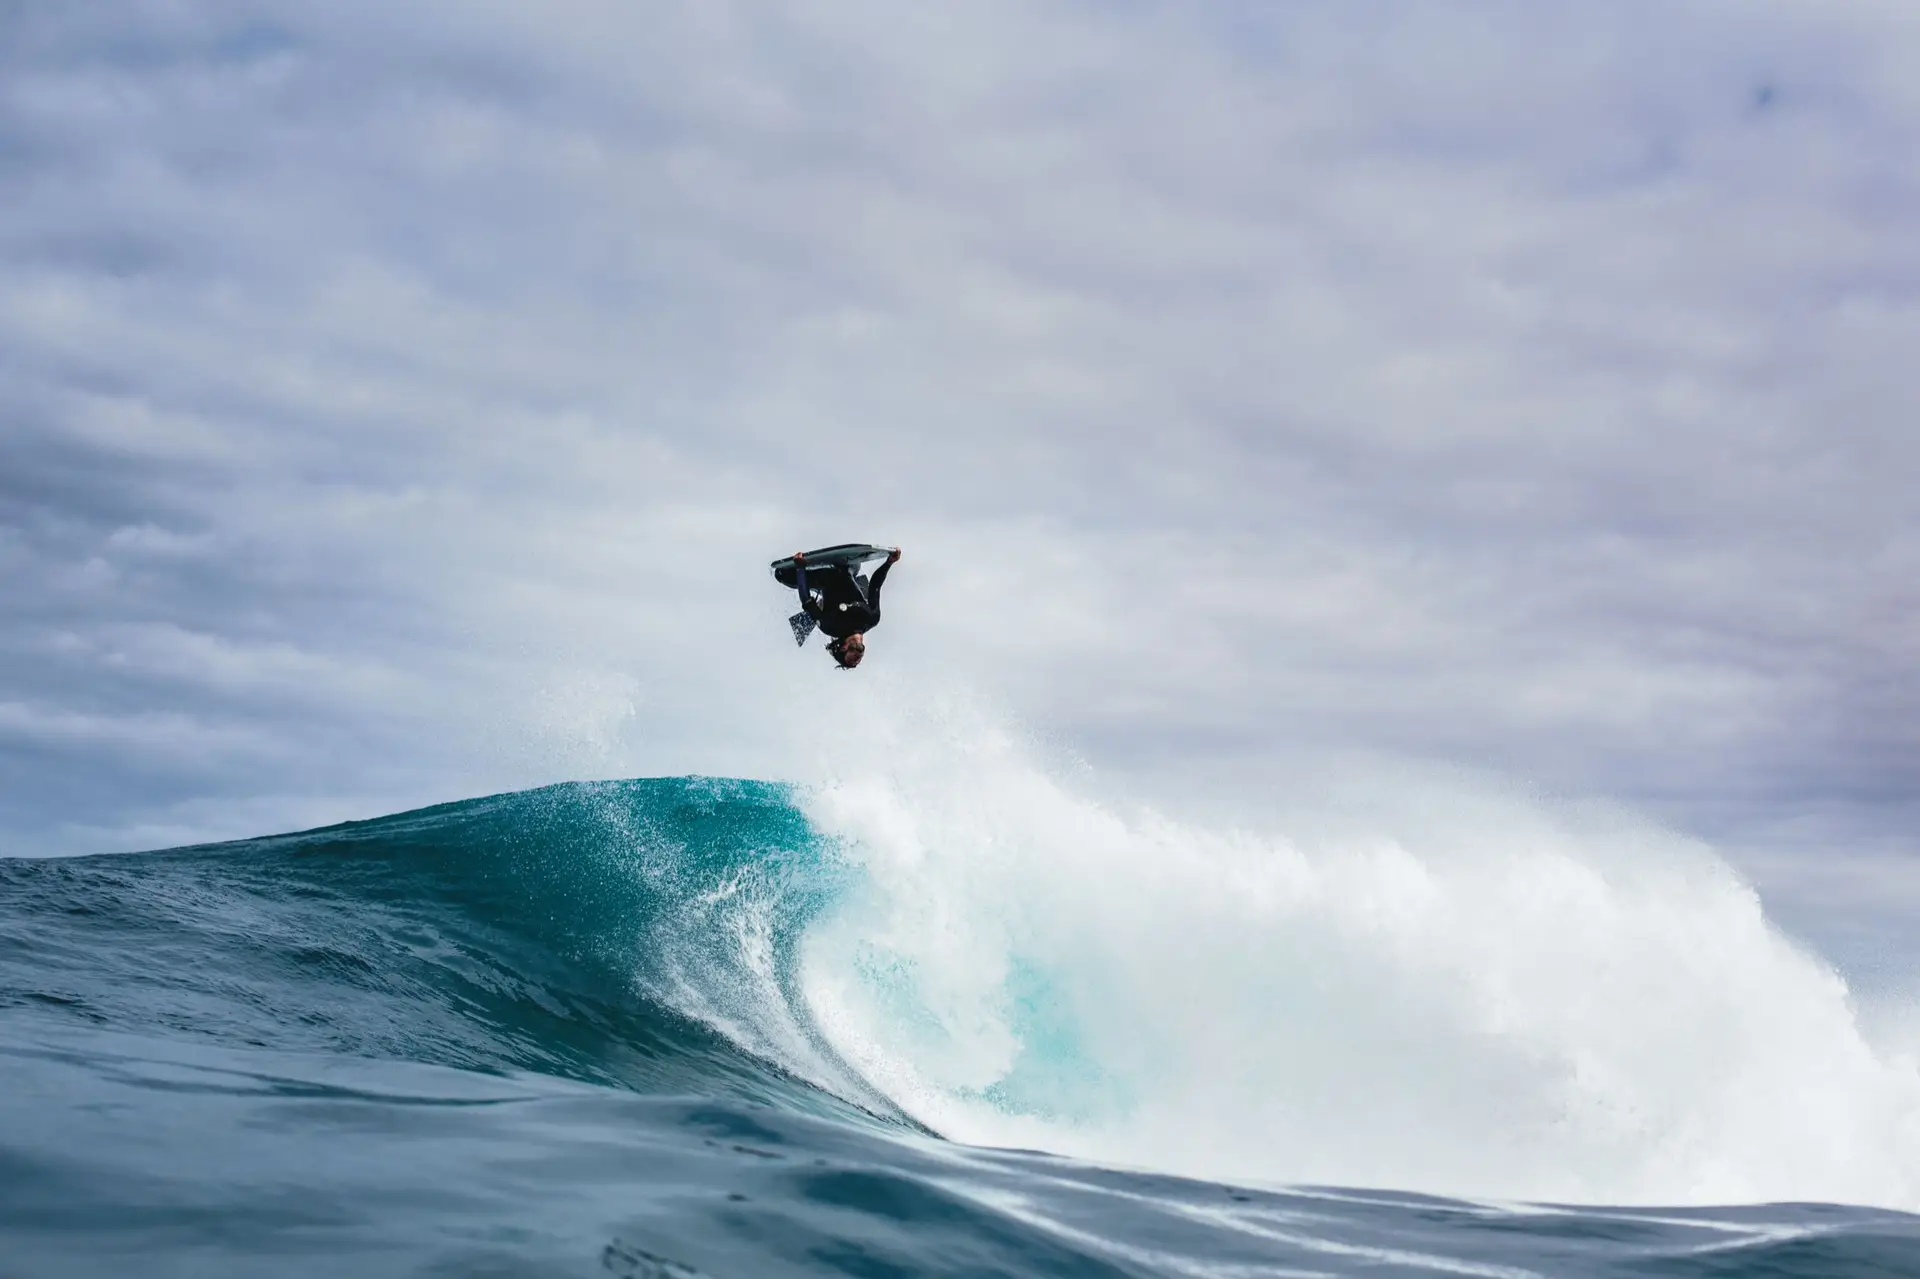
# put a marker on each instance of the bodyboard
(851, 554)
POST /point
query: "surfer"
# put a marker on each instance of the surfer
(842, 602)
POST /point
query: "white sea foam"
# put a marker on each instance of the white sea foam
(1485, 998)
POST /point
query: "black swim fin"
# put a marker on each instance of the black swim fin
(802, 624)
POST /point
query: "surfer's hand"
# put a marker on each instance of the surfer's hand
(799, 557)
(893, 556)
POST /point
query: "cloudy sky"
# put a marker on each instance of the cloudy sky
(401, 403)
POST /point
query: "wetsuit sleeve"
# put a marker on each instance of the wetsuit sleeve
(807, 605)
(873, 590)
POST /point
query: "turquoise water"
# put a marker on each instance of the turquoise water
(579, 1031)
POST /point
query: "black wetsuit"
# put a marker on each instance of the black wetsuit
(848, 603)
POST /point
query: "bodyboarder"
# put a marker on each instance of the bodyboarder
(843, 603)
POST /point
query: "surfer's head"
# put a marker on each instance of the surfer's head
(849, 651)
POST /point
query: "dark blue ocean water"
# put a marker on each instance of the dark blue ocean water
(538, 1035)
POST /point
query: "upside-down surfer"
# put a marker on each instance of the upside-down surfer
(840, 600)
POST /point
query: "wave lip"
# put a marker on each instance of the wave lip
(631, 934)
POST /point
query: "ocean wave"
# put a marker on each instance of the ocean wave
(634, 934)
(1497, 1003)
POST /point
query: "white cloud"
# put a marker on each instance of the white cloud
(1521, 385)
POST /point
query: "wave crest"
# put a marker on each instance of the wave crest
(1480, 997)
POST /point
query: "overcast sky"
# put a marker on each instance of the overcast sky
(400, 403)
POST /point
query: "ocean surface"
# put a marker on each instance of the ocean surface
(683, 1027)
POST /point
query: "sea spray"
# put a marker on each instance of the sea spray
(1498, 999)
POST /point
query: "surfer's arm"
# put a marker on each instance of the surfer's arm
(807, 604)
(873, 588)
